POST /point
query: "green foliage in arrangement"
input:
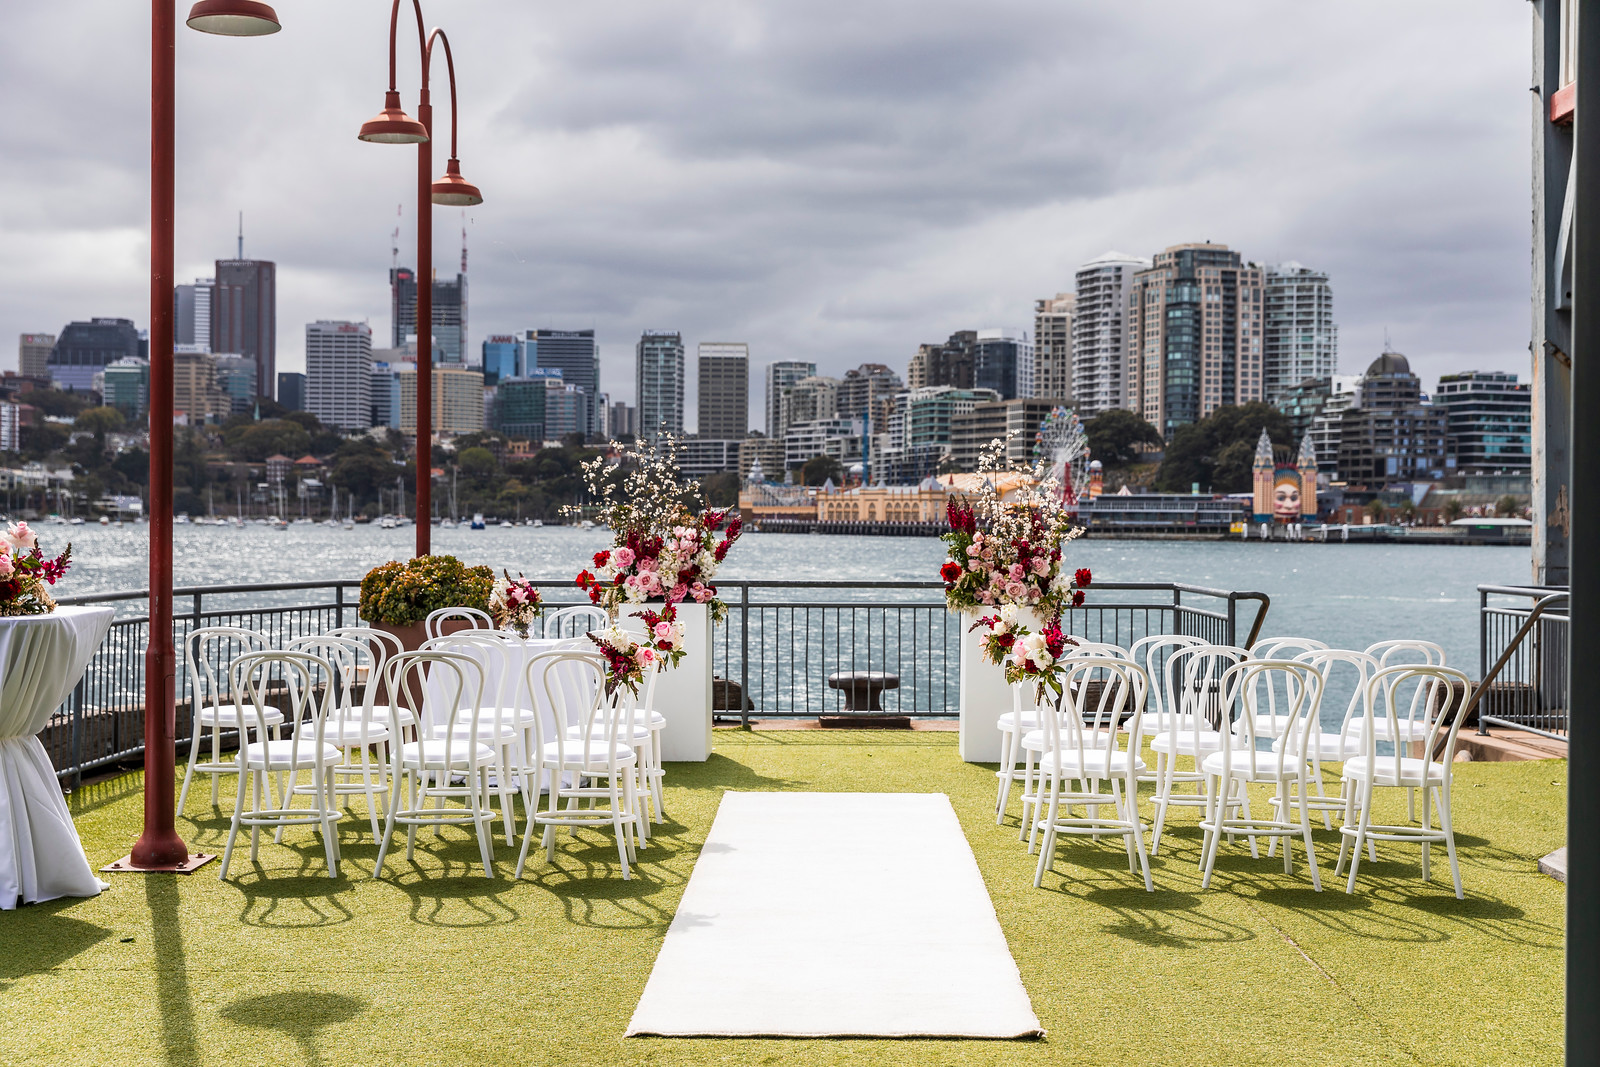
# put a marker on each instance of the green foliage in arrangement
(402, 593)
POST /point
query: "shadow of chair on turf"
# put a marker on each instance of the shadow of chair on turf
(301, 1016)
(300, 902)
(608, 904)
(1165, 918)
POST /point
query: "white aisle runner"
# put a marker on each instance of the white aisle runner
(835, 915)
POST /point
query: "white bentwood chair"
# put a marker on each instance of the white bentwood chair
(1081, 750)
(1195, 716)
(1252, 690)
(584, 762)
(381, 645)
(216, 707)
(577, 621)
(1271, 721)
(1393, 653)
(353, 726)
(1030, 736)
(433, 625)
(251, 678)
(1423, 695)
(420, 771)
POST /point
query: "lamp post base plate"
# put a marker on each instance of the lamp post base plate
(191, 864)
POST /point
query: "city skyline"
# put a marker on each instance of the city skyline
(1425, 240)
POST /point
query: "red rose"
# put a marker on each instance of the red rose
(1077, 598)
(602, 558)
(950, 572)
(1081, 577)
(1006, 640)
(584, 579)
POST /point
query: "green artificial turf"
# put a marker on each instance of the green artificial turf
(436, 965)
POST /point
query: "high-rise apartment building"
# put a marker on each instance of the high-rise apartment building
(1014, 421)
(576, 356)
(502, 358)
(1052, 346)
(622, 419)
(244, 315)
(1194, 335)
(809, 400)
(723, 404)
(196, 398)
(127, 387)
(1300, 339)
(236, 377)
(1389, 433)
(1099, 333)
(871, 387)
(781, 375)
(402, 304)
(33, 354)
(191, 313)
(292, 390)
(659, 384)
(84, 349)
(457, 399)
(949, 363)
(1002, 360)
(449, 314)
(339, 373)
(1489, 421)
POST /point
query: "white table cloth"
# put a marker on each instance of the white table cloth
(41, 659)
(435, 713)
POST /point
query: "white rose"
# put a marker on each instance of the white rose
(1008, 613)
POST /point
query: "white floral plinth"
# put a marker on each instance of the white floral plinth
(985, 696)
(683, 693)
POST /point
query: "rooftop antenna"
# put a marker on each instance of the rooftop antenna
(241, 235)
(1386, 345)
(394, 241)
(463, 240)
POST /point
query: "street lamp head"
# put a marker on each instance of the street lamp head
(455, 191)
(393, 125)
(233, 18)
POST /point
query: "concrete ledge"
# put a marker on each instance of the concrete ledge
(1555, 864)
(1508, 746)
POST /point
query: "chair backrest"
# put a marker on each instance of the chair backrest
(381, 645)
(346, 656)
(447, 684)
(573, 683)
(301, 674)
(1282, 689)
(575, 621)
(207, 651)
(497, 651)
(1428, 699)
(1193, 698)
(1400, 651)
(1085, 647)
(1102, 695)
(433, 625)
(1285, 647)
(1341, 667)
(1154, 654)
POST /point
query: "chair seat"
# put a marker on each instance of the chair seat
(1273, 725)
(1033, 741)
(639, 733)
(1329, 748)
(586, 758)
(487, 732)
(1032, 719)
(1266, 768)
(1167, 722)
(1411, 771)
(1093, 763)
(355, 732)
(657, 720)
(275, 755)
(381, 712)
(1410, 729)
(1185, 743)
(227, 716)
(521, 718)
(431, 753)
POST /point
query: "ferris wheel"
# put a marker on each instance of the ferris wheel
(1061, 452)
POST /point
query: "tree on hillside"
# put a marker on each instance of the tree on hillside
(253, 442)
(1218, 451)
(99, 421)
(59, 403)
(721, 489)
(819, 469)
(1115, 437)
(477, 463)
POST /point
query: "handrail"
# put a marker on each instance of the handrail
(1534, 613)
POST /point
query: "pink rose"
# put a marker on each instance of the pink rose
(663, 630)
(647, 564)
(700, 593)
(6, 567)
(1016, 572)
(1015, 589)
(20, 537)
(621, 557)
(679, 591)
(646, 654)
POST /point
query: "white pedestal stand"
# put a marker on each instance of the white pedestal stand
(985, 696)
(683, 693)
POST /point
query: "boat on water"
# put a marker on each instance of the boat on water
(276, 523)
(506, 524)
(76, 520)
(477, 521)
(536, 522)
(586, 524)
(56, 520)
(181, 519)
(105, 520)
(386, 523)
(447, 523)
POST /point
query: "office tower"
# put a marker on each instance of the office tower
(196, 398)
(1002, 360)
(781, 375)
(1099, 333)
(339, 373)
(867, 388)
(402, 305)
(918, 437)
(809, 400)
(658, 380)
(457, 399)
(191, 313)
(502, 358)
(1389, 433)
(1015, 421)
(1194, 335)
(565, 408)
(723, 405)
(622, 419)
(33, 354)
(127, 387)
(1052, 346)
(236, 377)
(576, 356)
(519, 405)
(84, 349)
(244, 315)
(1300, 339)
(292, 390)
(949, 363)
(450, 319)
(1489, 420)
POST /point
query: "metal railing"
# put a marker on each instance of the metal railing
(1523, 636)
(779, 643)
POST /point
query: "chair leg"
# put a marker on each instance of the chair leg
(1345, 785)
(1427, 824)
(1138, 830)
(1163, 798)
(1448, 828)
(194, 753)
(216, 755)
(483, 818)
(233, 832)
(1047, 848)
(618, 827)
(1216, 810)
(322, 783)
(1361, 834)
(1008, 764)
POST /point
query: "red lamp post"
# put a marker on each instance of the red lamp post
(394, 126)
(159, 847)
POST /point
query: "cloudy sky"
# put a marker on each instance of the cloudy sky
(835, 180)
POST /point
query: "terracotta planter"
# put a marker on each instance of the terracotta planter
(411, 638)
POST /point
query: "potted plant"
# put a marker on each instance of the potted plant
(398, 597)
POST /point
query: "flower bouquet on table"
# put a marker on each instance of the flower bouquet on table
(515, 604)
(629, 655)
(25, 572)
